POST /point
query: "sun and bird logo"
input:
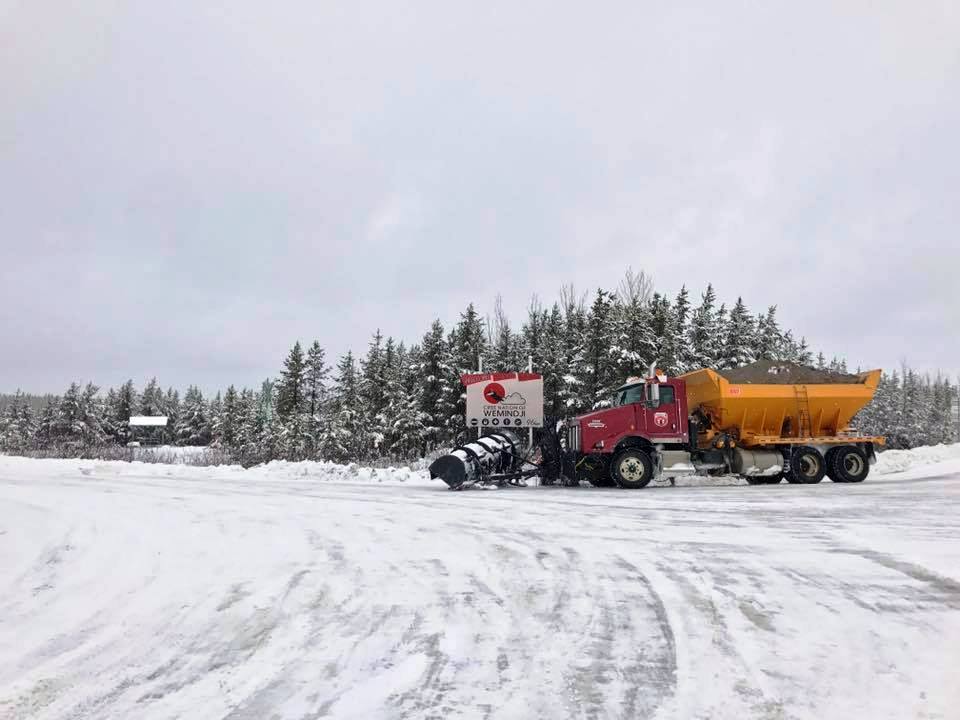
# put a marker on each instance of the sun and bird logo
(495, 394)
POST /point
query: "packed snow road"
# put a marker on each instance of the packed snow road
(137, 591)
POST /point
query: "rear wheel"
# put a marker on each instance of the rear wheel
(848, 464)
(828, 465)
(806, 466)
(632, 469)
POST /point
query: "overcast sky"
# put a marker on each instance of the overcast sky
(186, 188)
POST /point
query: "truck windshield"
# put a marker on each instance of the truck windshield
(631, 394)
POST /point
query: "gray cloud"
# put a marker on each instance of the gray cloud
(184, 191)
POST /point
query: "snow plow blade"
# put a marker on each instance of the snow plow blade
(486, 457)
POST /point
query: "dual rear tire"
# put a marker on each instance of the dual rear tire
(805, 466)
(847, 464)
(842, 464)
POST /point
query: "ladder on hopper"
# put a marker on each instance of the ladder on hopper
(805, 428)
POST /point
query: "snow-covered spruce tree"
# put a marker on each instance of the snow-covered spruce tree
(151, 400)
(231, 420)
(345, 437)
(703, 335)
(600, 368)
(317, 375)
(120, 407)
(635, 345)
(248, 450)
(407, 429)
(557, 380)
(193, 427)
(739, 338)
(435, 391)
(573, 350)
(288, 436)
(768, 342)
(681, 318)
(467, 344)
(662, 323)
(17, 426)
(215, 418)
(171, 408)
(46, 422)
(372, 389)
(80, 418)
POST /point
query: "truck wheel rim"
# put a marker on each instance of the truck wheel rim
(631, 469)
(853, 464)
(809, 466)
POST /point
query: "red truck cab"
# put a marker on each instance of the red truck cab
(652, 411)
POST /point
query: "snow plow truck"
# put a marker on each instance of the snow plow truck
(765, 422)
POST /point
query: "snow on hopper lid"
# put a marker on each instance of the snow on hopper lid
(149, 420)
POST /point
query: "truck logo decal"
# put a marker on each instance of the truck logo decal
(661, 419)
(596, 424)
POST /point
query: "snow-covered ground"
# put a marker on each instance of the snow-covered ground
(309, 590)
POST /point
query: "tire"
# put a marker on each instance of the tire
(632, 469)
(848, 464)
(828, 465)
(806, 466)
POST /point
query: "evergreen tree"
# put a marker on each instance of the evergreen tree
(372, 388)
(120, 408)
(407, 422)
(151, 401)
(80, 420)
(436, 393)
(171, 408)
(315, 378)
(703, 334)
(193, 427)
(45, 431)
(290, 390)
(600, 368)
(231, 420)
(739, 340)
(467, 344)
(553, 364)
(768, 342)
(345, 439)
(635, 345)
(685, 360)
(662, 324)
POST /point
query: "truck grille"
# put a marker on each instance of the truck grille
(573, 436)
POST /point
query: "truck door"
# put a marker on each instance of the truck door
(663, 421)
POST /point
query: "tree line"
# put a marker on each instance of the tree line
(401, 402)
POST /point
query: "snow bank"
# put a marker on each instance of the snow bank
(330, 471)
(280, 470)
(894, 461)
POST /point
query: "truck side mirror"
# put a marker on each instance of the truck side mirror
(653, 395)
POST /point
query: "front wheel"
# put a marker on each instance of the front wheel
(632, 469)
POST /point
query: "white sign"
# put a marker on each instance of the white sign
(497, 400)
(148, 420)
